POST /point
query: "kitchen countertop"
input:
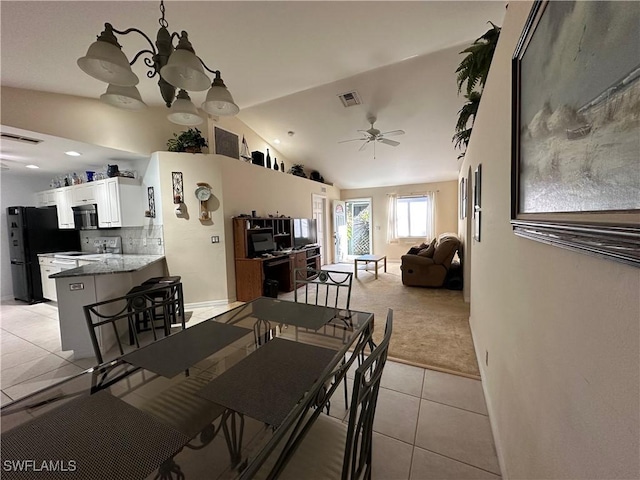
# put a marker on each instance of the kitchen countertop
(108, 264)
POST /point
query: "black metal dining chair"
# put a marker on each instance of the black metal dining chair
(331, 449)
(327, 288)
(123, 314)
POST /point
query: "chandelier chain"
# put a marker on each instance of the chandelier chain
(162, 21)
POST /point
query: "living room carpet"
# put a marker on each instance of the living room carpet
(430, 326)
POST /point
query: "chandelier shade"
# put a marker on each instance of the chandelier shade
(183, 111)
(178, 68)
(184, 70)
(107, 63)
(123, 97)
(219, 100)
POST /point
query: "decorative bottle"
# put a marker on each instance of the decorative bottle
(268, 165)
(282, 167)
(275, 164)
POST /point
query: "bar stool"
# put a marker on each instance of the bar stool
(142, 312)
(176, 309)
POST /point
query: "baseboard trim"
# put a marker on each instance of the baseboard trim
(494, 428)
(209, 303)
(433, 367)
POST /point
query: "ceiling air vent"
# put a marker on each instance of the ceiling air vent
(350, 99)
(19, 138)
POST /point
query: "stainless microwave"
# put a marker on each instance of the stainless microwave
(85, 217)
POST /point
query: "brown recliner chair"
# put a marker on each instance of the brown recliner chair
(422, 270)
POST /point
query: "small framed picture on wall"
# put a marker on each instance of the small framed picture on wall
(477, 208)
(463, 198)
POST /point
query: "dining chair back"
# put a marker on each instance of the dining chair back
(109, 320)
(328, 288)
(331, 449)
(366, 385)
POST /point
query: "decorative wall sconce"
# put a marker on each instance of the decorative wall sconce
(151, 213)
(178, 190)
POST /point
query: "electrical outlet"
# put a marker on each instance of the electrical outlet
(215, 239)
(159, 241)
(486, 358)
(144, 242)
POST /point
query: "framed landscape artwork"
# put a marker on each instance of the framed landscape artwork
(576, 128)
(226, 143)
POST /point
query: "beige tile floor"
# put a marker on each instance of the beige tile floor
(429, 425)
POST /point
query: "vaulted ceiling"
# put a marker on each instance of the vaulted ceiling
(285, 63)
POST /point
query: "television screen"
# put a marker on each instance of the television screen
(304, 232)
(262, 242)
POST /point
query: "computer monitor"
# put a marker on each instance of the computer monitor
(262, 242)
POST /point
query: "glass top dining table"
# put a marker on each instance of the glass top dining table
(215, 400)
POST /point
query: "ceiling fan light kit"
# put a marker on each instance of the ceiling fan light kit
(179, 69)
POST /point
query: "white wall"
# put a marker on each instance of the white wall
(91, 121)
(208, 270)
(561, 328)
(445, 216)
(17, 190)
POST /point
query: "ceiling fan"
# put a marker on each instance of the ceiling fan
(374, 135)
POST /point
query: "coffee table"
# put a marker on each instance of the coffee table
(366, 259)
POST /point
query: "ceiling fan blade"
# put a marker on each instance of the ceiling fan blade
(354, 140)
(363, 146)
(393, 133)
(393, 143)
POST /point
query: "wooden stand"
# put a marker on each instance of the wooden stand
(252, 272)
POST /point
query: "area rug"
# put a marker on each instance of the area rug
(430, 326)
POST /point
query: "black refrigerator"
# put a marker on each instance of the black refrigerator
(32, 231)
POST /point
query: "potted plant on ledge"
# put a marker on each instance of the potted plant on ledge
(190, 141)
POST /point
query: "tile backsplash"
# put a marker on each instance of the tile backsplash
(147, 240)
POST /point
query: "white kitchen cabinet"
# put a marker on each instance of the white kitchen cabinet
(48, 284)
(83, 194)
(63, 205)
(119, 202)
(46, 198)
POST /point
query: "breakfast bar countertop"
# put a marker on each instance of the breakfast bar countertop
(111, 263)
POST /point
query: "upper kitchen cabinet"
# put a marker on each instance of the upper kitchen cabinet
(64, 201)
(83, 194)
(46, 198)
(119, 202)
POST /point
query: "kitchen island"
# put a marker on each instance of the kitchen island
(106, 277)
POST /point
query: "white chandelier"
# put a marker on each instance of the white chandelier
(178, 68)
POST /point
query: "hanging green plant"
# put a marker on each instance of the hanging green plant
(473, 71)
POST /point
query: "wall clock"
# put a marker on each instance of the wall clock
(203, 193)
